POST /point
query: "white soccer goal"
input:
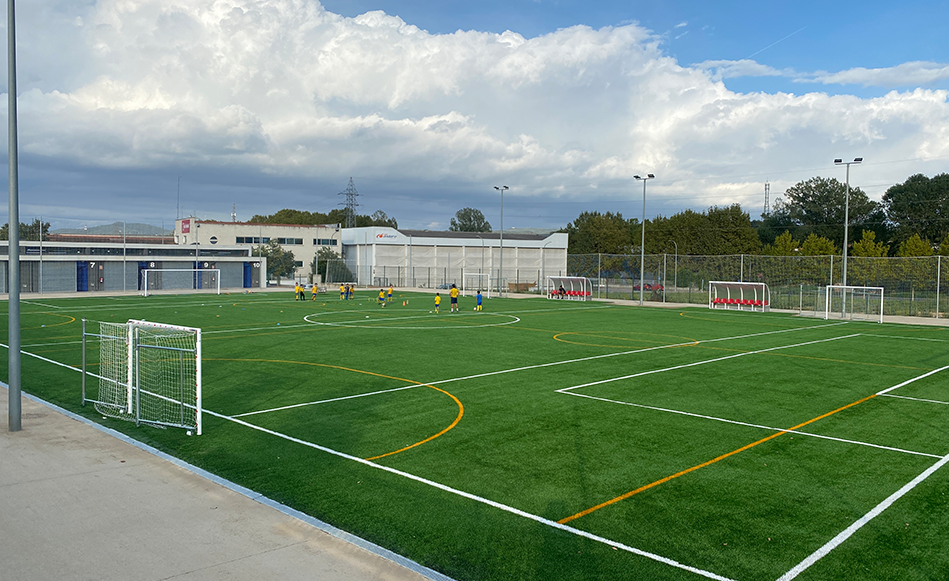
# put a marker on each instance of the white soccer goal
(148, 373)
(472, 282)
(574, 288)
(739, 296)
(181, 279)
(861, 303)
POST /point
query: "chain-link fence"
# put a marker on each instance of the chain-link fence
(915, 286)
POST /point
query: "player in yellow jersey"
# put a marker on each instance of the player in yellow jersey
(382, 297)
(342, 292)
(453, 293)
(316, 289)
(438, 301)
(389, 296)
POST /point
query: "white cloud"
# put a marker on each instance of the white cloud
(918, 73)
(285, 89)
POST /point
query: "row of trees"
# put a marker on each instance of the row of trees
(31, 231)
(335, 216)
(911, 220)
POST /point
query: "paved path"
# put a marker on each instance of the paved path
(79, 503)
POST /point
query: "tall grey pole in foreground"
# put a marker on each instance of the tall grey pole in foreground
(642, 245)
(501, 245)
(839, 161)
(13, 264)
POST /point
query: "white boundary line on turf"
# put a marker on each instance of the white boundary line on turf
(482, 500)
(849, 531)
(696, 363)
(750, 425)
(909, 381)
(39, 304)
(526, 368)
(907, 338)
(915, 398)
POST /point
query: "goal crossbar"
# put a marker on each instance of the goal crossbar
(472, 282)
(853, 302)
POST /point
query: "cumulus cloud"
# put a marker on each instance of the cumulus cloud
(286, 89)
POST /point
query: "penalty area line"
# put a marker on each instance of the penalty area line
(849, 531)
(482, 500)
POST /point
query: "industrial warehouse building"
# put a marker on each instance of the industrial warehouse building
(118, 265)
(379, 256)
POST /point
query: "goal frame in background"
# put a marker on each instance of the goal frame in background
(121, 390)
(840, 300)
(739, 296)
(157, 272)
(577, 288)
(482, 276)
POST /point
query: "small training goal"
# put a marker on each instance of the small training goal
(860, 303)
(149, 373)
(574, 288)
(180, 279)
(472, 282)
(739, 296)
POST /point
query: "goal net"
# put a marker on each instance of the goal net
(148, 373)
(180, 279)
(574, 288)
(472, 282)
(740, 296)
(861, 303)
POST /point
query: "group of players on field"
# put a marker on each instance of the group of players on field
(347, 292)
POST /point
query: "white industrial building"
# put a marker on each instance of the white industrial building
(303, 240)
(379, 256)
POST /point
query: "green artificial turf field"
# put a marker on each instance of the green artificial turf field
(561, 440)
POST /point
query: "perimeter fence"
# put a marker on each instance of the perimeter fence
(915, 286)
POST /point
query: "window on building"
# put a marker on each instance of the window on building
(324, 242)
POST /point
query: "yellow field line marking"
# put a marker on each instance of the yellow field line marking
(704, 464)
(461, 408)
(71, 319)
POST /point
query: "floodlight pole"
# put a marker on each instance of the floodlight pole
(501, 245)
(642, 245)
(839, 161)
(13, 252)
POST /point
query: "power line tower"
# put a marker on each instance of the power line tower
(767, 198)
(233, 212)
(350, 204)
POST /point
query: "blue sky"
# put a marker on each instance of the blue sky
(270, 104)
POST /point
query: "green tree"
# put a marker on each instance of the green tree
(915, 246)
(944, 247)
(469, 220)
(920, 205)
(784, 245)
(818, 206)
(30, 231)
(280, 262)
(593, 233)
(731, 231)
(867, 246)
(816, 245)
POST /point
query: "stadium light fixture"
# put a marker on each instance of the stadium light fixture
(642, 245)
(839, 161)
(501, 249)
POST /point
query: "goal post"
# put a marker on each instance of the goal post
(862, 303)
(148, 373)
(739, 296)
(574, 288)
(181, 279)
(472, 282)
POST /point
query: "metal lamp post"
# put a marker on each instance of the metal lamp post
(839, 161)
(675, 283)
(642, 245)
(501, 249)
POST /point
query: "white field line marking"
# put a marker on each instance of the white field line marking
(750, 425)
(40, 305)
(907, 338)
(915, 398)
(909, 381)
(686, 365)
(494, 504)
(849, 531)
(528, 368)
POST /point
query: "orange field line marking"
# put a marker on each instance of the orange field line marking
(704, 464)
(461, 408)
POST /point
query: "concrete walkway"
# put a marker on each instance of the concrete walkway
(77, 502)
